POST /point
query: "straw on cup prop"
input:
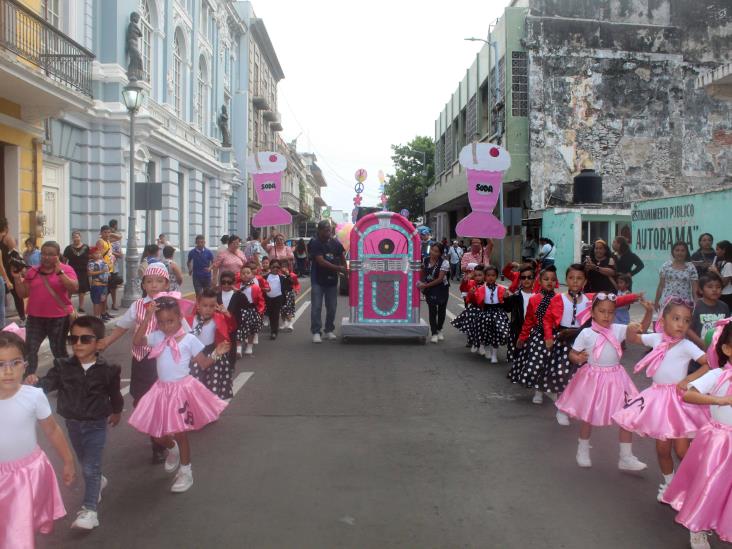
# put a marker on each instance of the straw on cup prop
(485, 164)
(266, 169)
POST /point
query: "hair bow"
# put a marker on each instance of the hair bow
(15, 329)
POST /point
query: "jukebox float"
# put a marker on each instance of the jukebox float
(385, 265)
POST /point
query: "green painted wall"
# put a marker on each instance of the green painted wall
(560, 228)
(658, 223)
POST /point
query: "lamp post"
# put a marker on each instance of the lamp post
(132, 97)
(499, 130)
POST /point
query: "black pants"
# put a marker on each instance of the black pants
(437, 316)
(19, 304)
(37, 329)
(274, 305)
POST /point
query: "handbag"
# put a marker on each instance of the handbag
(73, 314)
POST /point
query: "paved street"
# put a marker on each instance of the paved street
(376, 444)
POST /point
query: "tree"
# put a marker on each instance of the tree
(415, 171)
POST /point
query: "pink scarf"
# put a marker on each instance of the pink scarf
(726, 376)
(652, 360)
(605, 335)
(169, 341)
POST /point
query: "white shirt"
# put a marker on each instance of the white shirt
(226, 298)
(587, 339)
(675, 365)
(491, 298)
(87, 366)
(582, 304)
(455, 254)
(248, 292)
(18, 417)
(275, 285)
(722, 414)
(208, 331)
(725, 273)
(527, 297)
(547, 251)
(169, 369)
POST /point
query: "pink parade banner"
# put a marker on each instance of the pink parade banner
(266, 169)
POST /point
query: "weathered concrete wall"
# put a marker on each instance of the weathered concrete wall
(613, 84)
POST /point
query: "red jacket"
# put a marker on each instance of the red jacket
(295, 283)
(478, 297)
(530, 319)
(257, 297)
(554, 313)
(515, 278)
(224, 325)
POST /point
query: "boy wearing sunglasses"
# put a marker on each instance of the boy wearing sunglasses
(89, 397)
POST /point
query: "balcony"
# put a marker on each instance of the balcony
(41, 67)
(276, 122)
(306, 210)
(259, 100)
(269, 116)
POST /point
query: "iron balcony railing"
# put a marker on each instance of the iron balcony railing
(32, 38)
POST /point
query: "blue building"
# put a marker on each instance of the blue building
(196, 61)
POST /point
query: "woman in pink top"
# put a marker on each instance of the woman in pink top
(231, 259)
(281, 252)
(478, 254)
(48, 287)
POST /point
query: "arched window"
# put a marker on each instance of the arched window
(204, 87)
(147, 39)
(179, 55)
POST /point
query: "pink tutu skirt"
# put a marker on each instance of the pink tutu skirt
(595, 393)
(701, 490)
(661, 413)
(29, 500)
(175, 407)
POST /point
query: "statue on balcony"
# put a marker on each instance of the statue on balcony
(135, 70)
(223, 123)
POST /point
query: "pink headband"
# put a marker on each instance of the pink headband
(15, 329)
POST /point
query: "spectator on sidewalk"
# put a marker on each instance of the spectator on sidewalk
(723, 267)
(232, 259)
(281, 252)
(528, 251)
(176, 274)
(479, 253)
(326, 255)
(455, 253)
(8, 249)
(677, 277)
(600, 269)
(625, 260)
(47, 288)
(704, 256)
(200, 263)
(149, 256)
(546, 252)
(76, 255)
(115, 277)
(31, 255)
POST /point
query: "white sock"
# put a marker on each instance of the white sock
(584, 443)
(185, 468)
(668, 478)
(626, 449)
(552, 396)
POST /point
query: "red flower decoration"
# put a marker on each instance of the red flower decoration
(273, 157)
(495, 152)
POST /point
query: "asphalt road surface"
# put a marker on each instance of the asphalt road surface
(376, 444)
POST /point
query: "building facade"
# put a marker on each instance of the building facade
(44, 70)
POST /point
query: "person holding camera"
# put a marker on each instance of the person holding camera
(48, 288)
(8, 249)
(600, 269)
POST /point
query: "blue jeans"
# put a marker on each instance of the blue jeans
(88, 439)
(330, 293)
(201, 282)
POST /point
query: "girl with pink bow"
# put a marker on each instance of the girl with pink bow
(660, 411)
(701, 491)
(177, 402)
(601, 386)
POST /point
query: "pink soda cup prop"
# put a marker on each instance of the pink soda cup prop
(485, 164)
(266, 169)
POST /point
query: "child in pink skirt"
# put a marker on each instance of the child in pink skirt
(177, 402)
(30, 499)
(660, 411)
(701, 491)
(601, 387)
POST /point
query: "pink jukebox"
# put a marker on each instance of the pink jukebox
(385, 264)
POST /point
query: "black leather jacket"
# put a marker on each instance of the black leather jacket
(90, 395)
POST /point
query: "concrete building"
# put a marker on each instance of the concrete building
(617, 85)
(45, 69)
(195, 63)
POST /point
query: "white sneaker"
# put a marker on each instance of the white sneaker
(562, 418)
(538, 397)
(440, 336)
(698, 540)
(265, 322)
(86, 519)
(631, 463)
(249, 350)
(661, 490)
(583, 456)
(494, 356)
(172, 460)
(317, 338)
(434, 339)
(255, 341)
(330, 336)
(102, 486)
(183, 479)
(238, 351)
(481, 350)
(474, 349)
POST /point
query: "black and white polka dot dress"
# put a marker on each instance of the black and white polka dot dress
(250, 321)
(560, 370)
(467, 323)
(494, 326)
(530, 362)
(288, 309)
(218, 378)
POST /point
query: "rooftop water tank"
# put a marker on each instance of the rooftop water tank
(587, 187)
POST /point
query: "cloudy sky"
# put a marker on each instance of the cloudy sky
(360, 76)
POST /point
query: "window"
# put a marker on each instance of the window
(497, 96)
(50, 11)
(147, 34)
(593, 230)
(178, 57)
(203, 95)
(519, 84)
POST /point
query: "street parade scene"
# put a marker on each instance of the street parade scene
(453, 282)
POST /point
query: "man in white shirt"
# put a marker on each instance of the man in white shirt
(456, 253)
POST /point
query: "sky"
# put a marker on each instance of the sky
(361, 76)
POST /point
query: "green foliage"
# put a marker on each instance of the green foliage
(415, 171)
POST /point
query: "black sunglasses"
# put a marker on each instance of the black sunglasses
(226, 281)
(527, 277)
(85, 339)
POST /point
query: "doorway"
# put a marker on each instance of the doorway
(55, 201)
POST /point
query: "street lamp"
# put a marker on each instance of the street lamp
(132, 97)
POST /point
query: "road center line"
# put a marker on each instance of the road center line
(300, 311)
(240, 380)
(302, 295)
(450, 314)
